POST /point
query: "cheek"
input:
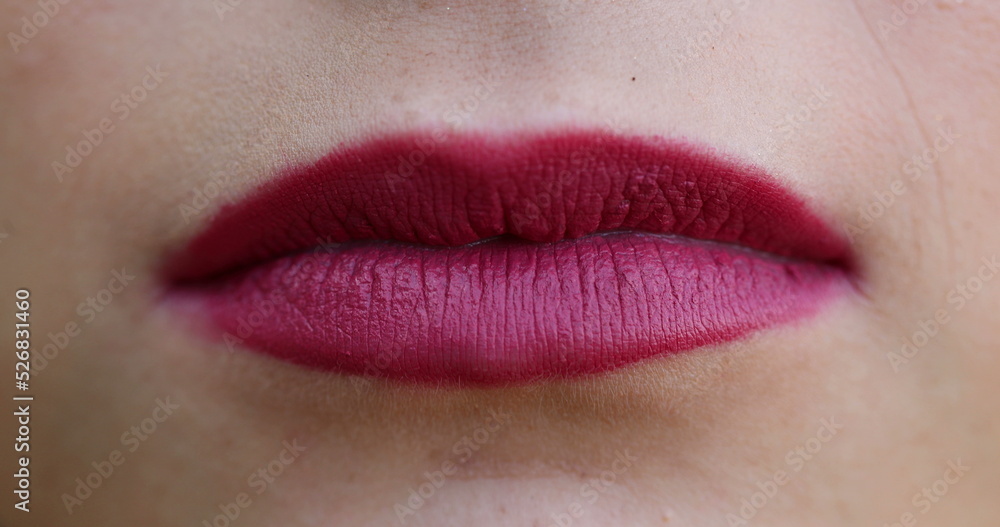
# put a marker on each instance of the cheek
(82, 67)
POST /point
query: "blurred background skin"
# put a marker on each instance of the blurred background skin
(834, 97)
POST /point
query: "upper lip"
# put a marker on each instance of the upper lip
(436, 189)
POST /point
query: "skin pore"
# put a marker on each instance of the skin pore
(128, 124)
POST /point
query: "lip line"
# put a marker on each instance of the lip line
(842, 257)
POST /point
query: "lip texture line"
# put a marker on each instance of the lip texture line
(489, 259)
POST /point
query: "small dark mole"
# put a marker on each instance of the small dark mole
(633, 79)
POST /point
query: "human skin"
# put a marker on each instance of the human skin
(857, 428)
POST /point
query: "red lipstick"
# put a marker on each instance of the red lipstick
(492, 259)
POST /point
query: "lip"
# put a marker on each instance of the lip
(507, 258)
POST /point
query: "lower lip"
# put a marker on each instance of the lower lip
(506, 311)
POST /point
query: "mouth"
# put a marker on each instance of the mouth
(484, 259)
